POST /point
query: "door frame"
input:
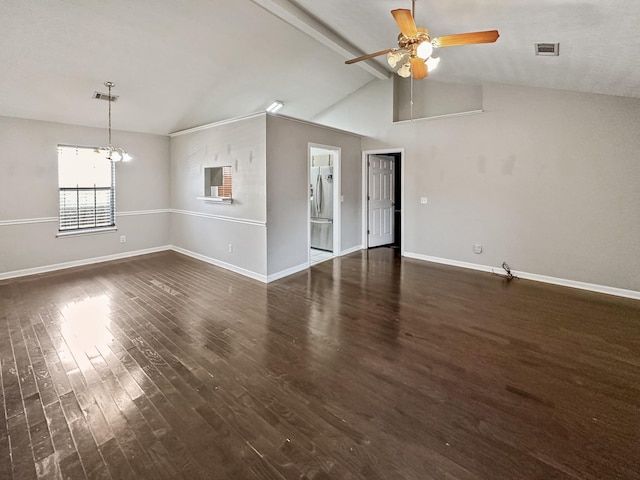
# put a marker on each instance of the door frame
(365, 193)
(337, 197)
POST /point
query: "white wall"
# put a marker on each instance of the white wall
(207, 229)
(288, 189)
(544, 179)
(29, 196)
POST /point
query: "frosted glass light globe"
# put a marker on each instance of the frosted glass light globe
(432, 63)
(405, 70)
(425, 49)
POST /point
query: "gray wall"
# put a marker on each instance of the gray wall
(267, 222)
(544, 179)
(157, 204)
(207, 229)
(288, 189)
(29, 195)
(432, 98)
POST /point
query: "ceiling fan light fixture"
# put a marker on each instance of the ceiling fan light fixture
(401, 56)
(415, 45)
(424, 50)
(405, 70)
(395, 57)
(432, 63)
(392, 59)
(275, 106)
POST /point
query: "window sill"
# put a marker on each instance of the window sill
(90, 231)
(227, 200)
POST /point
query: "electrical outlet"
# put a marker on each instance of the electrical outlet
(423, 200)
(230, 248)
(477, 248)
(123, 239)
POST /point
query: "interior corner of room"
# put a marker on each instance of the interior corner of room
(300, 245)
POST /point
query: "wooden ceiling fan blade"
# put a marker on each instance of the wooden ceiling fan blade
(418, 68)
(471, 38)
(405, 22)
(367, 57)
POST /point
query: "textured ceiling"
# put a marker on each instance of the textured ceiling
(183, 64)
(599, 39)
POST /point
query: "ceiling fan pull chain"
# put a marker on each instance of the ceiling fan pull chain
(411, 102)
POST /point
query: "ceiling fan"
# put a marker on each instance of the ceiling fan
(415, 45)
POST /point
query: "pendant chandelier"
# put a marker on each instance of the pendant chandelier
(115, 154)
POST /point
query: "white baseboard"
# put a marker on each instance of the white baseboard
(204, 258)
(287, 272)
(453, 263)
(350, 250)
(221, 264)
(619, 292)
(79, 263)
(593, 287)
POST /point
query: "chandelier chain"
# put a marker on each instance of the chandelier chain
(110, 84)
(115, 154)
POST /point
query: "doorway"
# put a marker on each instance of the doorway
(383, 182)
(324, 202)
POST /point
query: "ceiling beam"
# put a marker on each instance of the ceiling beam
(304, 22)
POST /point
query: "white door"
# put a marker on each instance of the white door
(381, 200)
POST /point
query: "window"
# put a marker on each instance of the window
(86, 182)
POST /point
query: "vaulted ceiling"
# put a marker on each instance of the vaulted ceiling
(183, 64)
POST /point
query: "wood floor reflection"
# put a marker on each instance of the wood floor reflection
(367, 366)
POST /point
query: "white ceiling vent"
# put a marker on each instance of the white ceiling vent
(104, 96)
(547, 49)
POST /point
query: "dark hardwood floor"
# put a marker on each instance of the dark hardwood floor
(364, 367)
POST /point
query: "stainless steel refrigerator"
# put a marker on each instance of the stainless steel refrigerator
(321, 188)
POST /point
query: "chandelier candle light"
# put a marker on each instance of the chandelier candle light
(115, 154)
